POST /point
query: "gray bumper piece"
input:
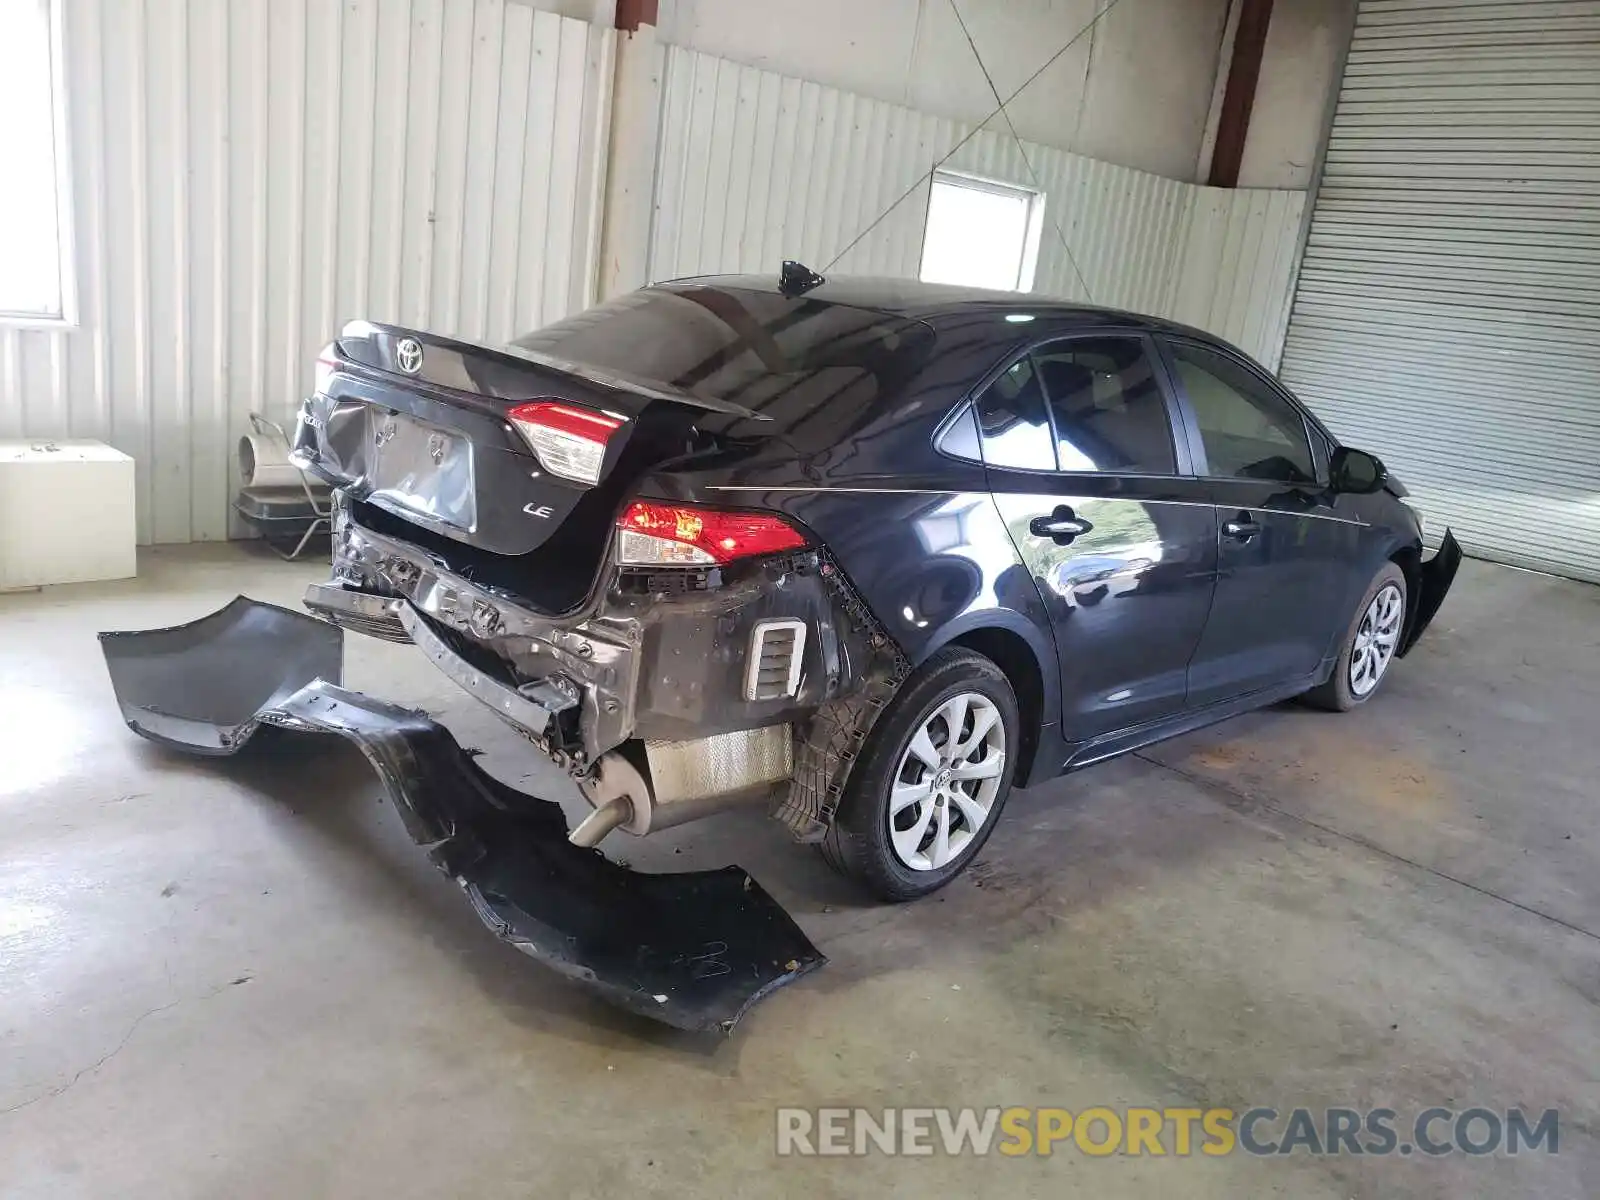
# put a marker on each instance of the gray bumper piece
(694, 949)
(204, 686)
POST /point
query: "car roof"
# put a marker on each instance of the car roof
(914, 299)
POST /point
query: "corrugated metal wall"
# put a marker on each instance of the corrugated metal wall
(1236, 265)
(250, 173)
(1124, 226)
(756, 167)
(1448, 315)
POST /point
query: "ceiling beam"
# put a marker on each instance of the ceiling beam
(633, 13)
(1244, 71)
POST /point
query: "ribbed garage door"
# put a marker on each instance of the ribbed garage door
(1448, 310)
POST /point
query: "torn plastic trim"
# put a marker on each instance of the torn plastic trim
(838, 730)
(1437, 575)
(694, 950)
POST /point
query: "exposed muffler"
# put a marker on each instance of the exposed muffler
(679, 782)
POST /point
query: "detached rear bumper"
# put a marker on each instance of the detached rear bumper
(203, 687)
(694, 950)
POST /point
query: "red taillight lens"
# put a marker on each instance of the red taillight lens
(685, 535)
(570, 441)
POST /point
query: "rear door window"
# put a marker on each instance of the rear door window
(1109, 409)
(1012, 425)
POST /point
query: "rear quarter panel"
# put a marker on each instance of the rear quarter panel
(917, 534)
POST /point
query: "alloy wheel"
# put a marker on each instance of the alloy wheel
(945, 787)
(1377, 637)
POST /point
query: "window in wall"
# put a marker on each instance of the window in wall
(35, 265)
(981, 234)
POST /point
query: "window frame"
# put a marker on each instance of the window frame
(1309, 425)
(1177, 419)
(1028, 262)
(66, 233)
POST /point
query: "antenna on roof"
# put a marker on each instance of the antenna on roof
(796, 279)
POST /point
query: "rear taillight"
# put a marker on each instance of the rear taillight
(653, 534)
(570, 441)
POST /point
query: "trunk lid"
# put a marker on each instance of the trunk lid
(419, 425)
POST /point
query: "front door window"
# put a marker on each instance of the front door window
(1248, 430)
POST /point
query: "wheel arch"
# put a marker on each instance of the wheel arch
(1409, 559)
(1013, 645)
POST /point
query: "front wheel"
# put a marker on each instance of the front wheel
(931, 781)
(1370, 644)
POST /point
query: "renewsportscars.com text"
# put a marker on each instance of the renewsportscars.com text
(1160, 1132)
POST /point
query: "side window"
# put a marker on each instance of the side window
(1249, 431)
(1012, 424)
(1109, 411)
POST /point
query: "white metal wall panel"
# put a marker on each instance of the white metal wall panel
(1235, 271)
(1124, 226)
(248, 174)
(756, 167)
(1448, 310)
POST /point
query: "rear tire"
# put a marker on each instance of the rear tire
(1370, 642)
(931, 781)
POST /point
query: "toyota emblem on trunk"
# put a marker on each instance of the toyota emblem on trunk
(408, 355)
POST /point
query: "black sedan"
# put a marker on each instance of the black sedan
(891, 547)
(865, 553)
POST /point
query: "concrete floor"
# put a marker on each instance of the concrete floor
(230, 979)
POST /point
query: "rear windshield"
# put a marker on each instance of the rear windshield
(797, 361)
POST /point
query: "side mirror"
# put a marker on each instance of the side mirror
(1356, 471)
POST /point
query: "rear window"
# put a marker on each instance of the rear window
(793, 359)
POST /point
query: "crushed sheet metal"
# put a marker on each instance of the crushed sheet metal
(693, 949)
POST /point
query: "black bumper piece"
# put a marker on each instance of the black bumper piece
(694, 950)
(1438, 573)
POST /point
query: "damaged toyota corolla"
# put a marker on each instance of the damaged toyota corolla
(862, 553)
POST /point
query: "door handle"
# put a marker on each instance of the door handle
(1062, 526)
(1241, 528)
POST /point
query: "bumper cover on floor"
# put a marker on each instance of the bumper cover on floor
(694, 950)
